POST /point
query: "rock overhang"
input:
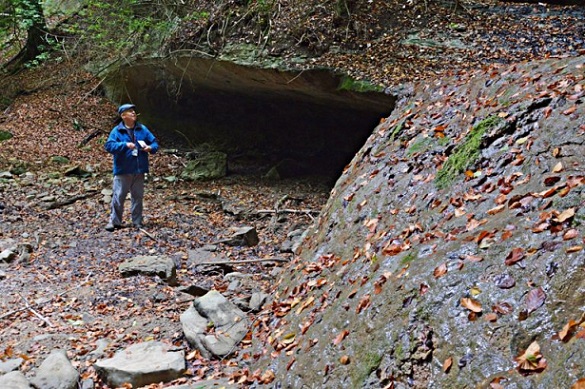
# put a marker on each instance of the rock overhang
(273, 114)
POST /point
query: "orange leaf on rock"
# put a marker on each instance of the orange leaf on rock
(567, 330)
(570, 110)
(496, 210)
(558, 168)
(447, 364)
(574, 249)
(440, 270)
(531, 360)
(570, 234)
(339, 338)
(516, 255)
(344, 360)
(471, 304)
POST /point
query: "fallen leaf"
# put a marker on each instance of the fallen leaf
(580, 384)
(339, 338)
(502, 308)
(558, 168)
(535, 299)
(567, 330)
(565, 215)
(570, 234)
(496, 210)
(550, 181)
(531, 360)
(516, 255)
(440, 270)
(344, 360)
(492, 317)
(570, 110)
(364, 303)
(574, 249)
(447, 364)
(471, 304)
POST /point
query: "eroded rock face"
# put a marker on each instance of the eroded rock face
(451, 244)
(257, 116)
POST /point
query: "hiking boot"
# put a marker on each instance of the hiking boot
(111, 227)
(138, 225)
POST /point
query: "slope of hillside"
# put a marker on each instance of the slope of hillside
(450, 253)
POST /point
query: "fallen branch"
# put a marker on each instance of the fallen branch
(70, 200)
(90, 137)
(35, 312)
(244, 261)
(147, 234)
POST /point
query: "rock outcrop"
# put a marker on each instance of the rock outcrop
(450, 253)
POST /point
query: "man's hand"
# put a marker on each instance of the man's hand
(130, 145)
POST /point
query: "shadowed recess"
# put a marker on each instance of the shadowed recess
(316, 119)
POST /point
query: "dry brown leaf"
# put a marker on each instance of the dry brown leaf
(491, 317)
(440, 270)
(496, 210)
(558, 168)
(471, 304)
(580, 384)
(531, 360)
(565, 215)
(535, 299)
(339, 338)
(567, 329)
(570, 234)
(516, 255)
(574, 249)
(447, 364)
(344, 360)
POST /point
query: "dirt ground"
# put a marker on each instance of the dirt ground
(69, 293)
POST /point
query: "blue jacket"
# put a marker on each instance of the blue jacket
(124, 161)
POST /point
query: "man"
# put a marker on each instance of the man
(129, 142)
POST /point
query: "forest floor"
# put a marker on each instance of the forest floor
(69, 294)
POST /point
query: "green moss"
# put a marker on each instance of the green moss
(349, 84)
(369, 363)
(396, 131)
(5, 135)
(420, 146)
(408, 258)
(465, 154)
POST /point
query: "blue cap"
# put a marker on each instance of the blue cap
(125, 107)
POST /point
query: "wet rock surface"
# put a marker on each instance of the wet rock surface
(451, 243)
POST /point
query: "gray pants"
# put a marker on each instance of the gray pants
(124, 183)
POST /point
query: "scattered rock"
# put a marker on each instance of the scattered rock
(56, 372)
(161, 266)
(14, 380)
(205, 166)
(142, 364)
(214, 311)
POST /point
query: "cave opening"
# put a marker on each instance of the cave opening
(302, 122)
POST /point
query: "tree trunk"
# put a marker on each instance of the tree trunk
(35, 39)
